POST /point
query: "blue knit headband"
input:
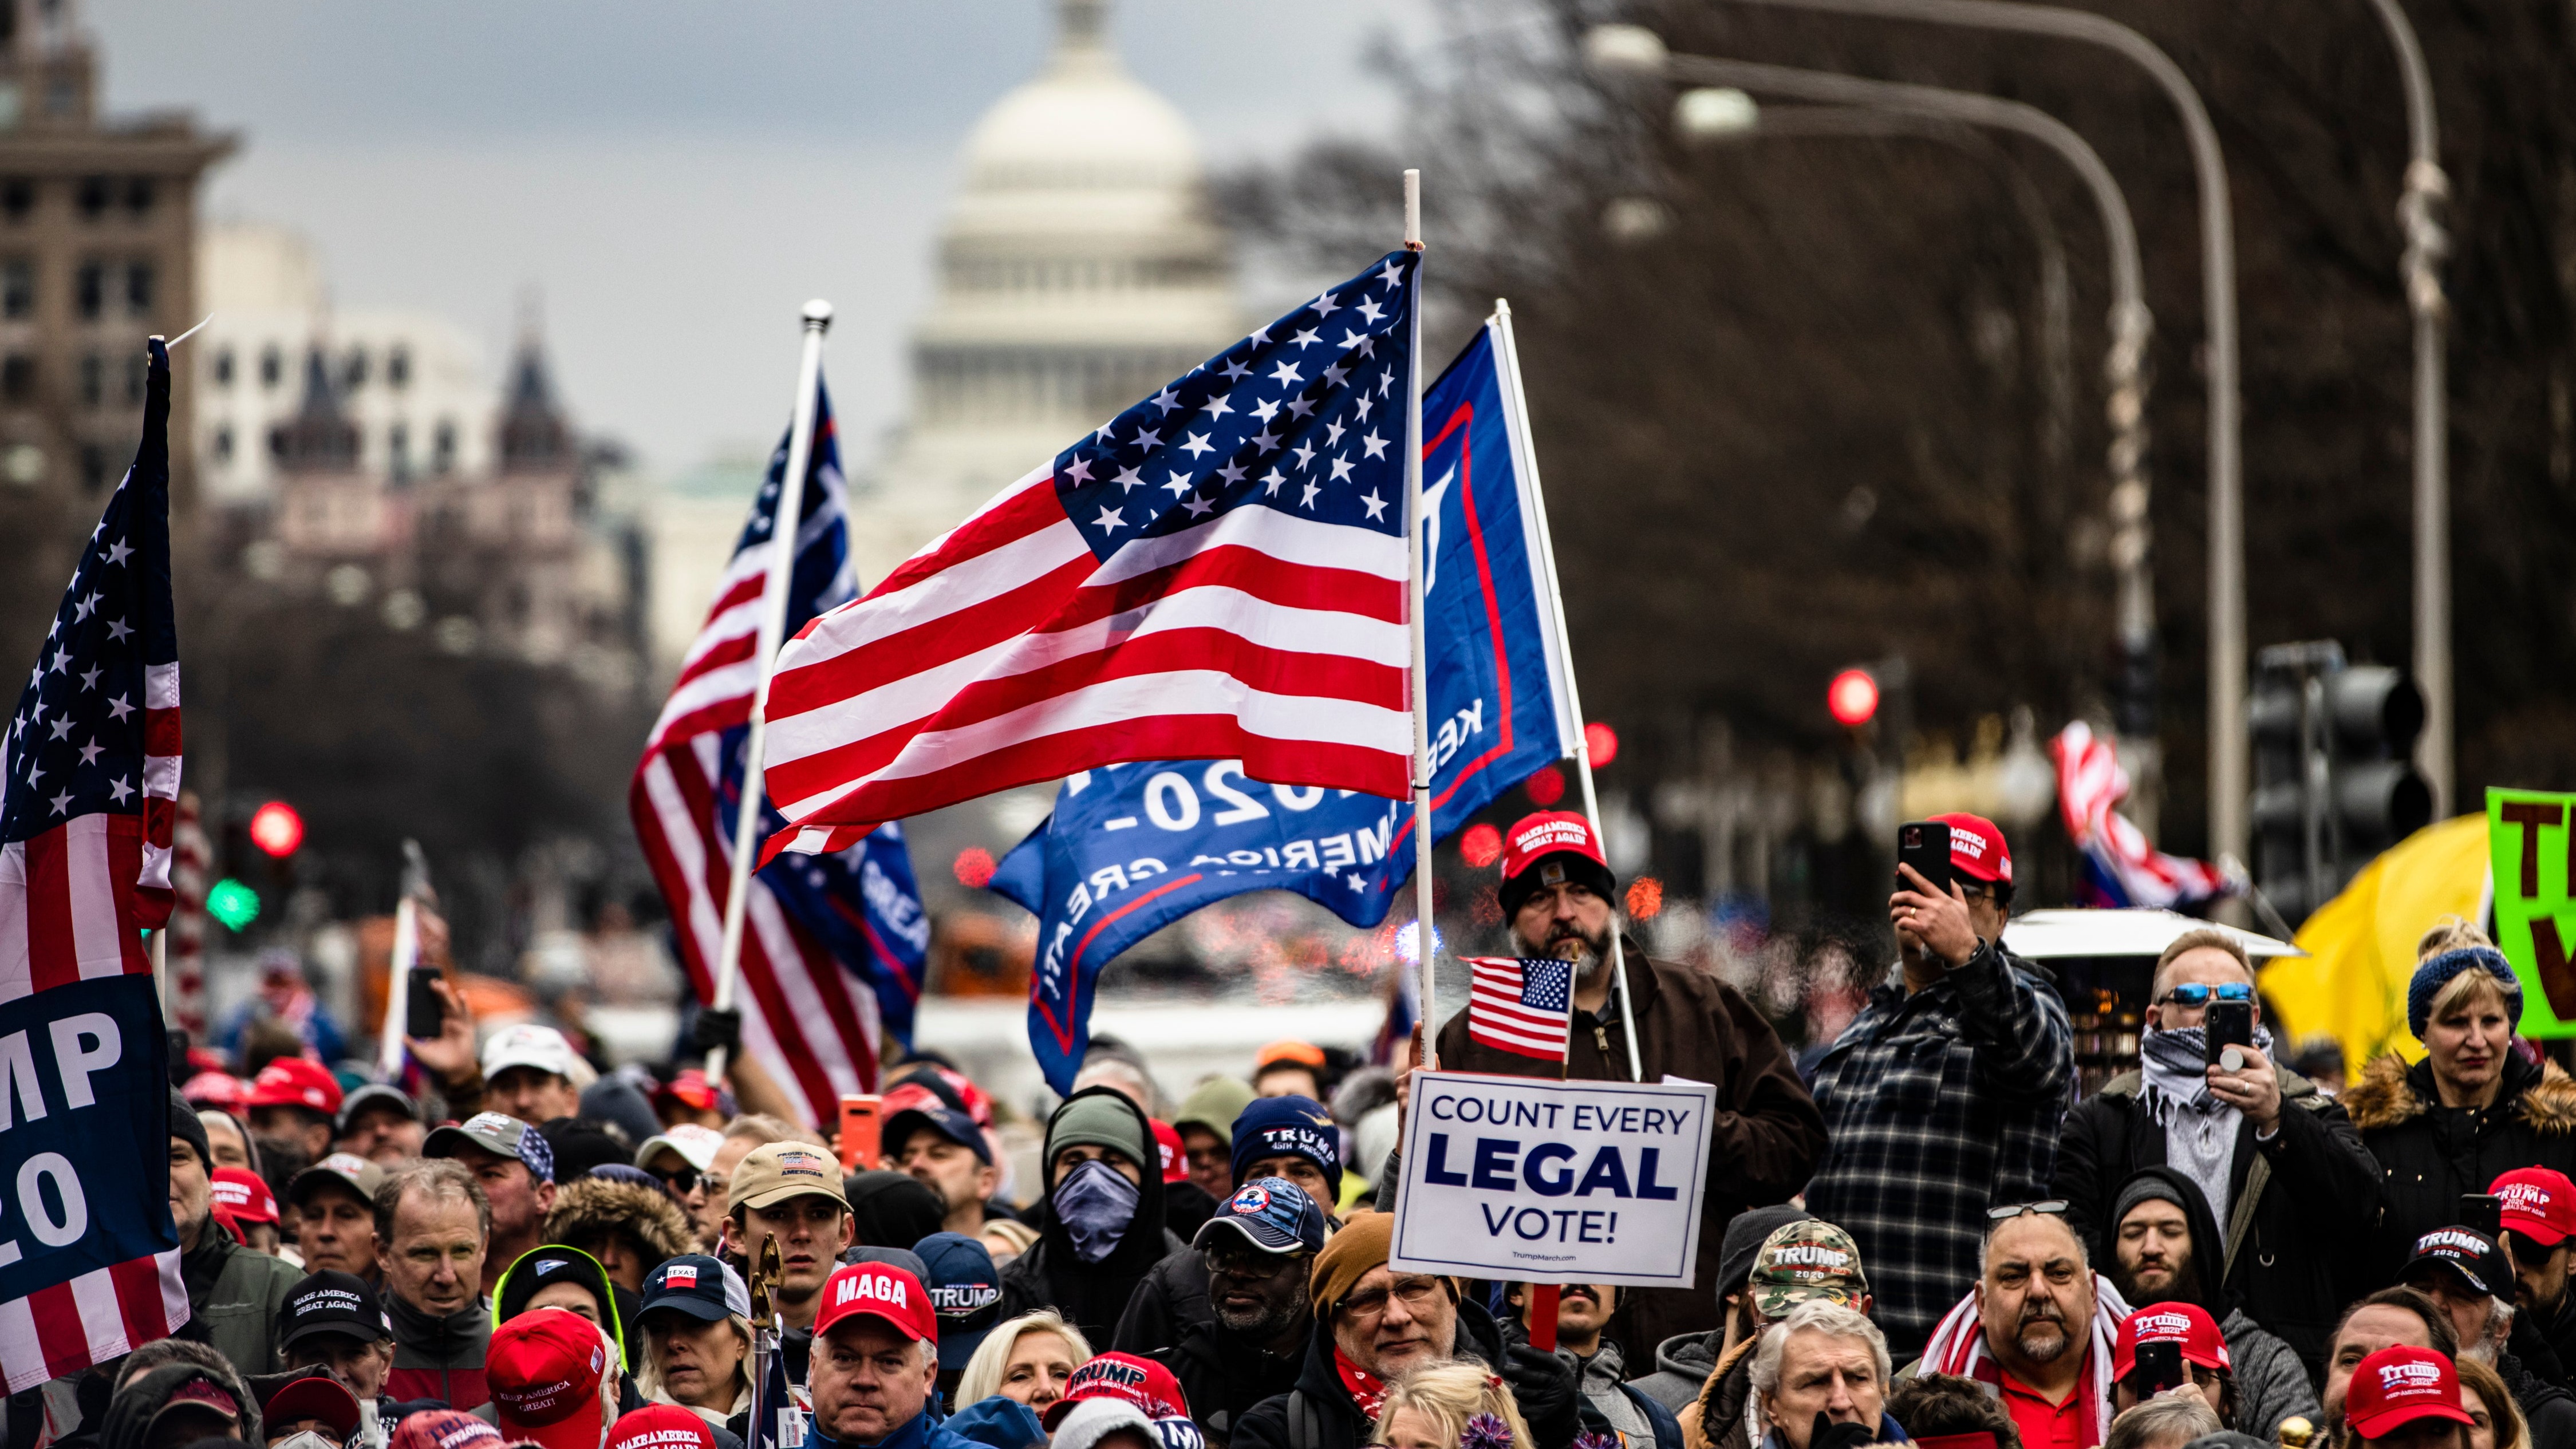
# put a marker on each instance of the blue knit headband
(2436, 973)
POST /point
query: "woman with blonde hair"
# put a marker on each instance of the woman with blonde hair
(696, 1326)
(1450, 1406)
(2499, 1420)
(2474, 1108)
(1029, 1358)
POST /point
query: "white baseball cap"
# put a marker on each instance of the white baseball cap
(696, 1145)
(541, 1047)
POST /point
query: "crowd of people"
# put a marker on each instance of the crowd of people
(1923, 1237)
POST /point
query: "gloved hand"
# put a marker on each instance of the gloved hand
(716, 1029)
(1544, 1386)
(1829, 1435)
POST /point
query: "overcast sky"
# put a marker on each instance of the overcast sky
(676, 177)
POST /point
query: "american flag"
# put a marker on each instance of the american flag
(92, 786)
(1218, 573)
(833, 945)
(1521, 1005)
(2121, 866)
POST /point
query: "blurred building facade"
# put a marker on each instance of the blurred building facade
(1080, 268)
(98, 231)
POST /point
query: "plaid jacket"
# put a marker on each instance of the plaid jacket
(1939, 1105)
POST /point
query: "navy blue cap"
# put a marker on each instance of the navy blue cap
(1272, 1213)
(965, 1291)
(698, 1286)
(956, 1126)
(1296, 1126)
(904, 1258)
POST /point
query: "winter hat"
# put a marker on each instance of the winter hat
(1100, 1118)
(1363, 1243)
(185, 1126)
(891, 1209)
(1552, 847)
(2436, 972)
(1087, 1423)
(1290, 1126)
(2145, 1187)
(1746, 1232)
(1213, 1105)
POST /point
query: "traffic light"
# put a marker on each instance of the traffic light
(1852, 698)
(2333, 785)
(277, 829)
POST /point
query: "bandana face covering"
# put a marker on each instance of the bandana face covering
(1096, 1203)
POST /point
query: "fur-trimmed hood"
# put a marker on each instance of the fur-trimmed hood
(589, 1208)
(2391, 1093)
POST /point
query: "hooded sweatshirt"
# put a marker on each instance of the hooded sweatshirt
(550, 1263)
(1051, 1274)
(2271, 1381)
(129, 1414)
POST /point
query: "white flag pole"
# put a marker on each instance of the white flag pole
(1528, 461)
(773, 623)
(1413, 535)
(406, 954)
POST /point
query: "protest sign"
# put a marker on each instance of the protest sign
(1534, 1180)
(2535, 902)
(1132, 848)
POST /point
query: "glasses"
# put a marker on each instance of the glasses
(2055, 1208)
(2193, 993)
(682, 1180)
(1414, 1293)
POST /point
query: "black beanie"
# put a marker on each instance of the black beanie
(185, 1126)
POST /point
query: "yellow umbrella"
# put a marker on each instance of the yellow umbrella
(2361, 945)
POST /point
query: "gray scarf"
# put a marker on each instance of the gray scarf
(2200, 1130)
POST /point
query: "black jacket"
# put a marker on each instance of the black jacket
(1091, 1296)
(1223, 1375)
(2317, 1202)
(2429, 1154)
(1172, 1300)
(1339, 1423)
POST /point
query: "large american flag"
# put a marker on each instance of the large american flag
(92, 787)
(1521, 1005)
(1218, 573)
(833, 945)
(2121, 866)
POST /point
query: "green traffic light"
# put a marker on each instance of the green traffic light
(234, 904)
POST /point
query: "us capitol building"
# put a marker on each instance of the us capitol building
(1079, 270)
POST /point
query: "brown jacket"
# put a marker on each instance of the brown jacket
(1765, 1140)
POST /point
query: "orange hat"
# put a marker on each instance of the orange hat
(1303, 1053)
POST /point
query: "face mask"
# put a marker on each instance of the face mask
(1095, 1202)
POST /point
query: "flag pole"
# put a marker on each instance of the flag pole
(1565, 654)
(398, 964)
(1413, 535)
(773, 622)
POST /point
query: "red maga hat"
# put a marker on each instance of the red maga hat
(1176, 1160)
(1128, 1378)
(544, 1371)
(1547, 833)
(881, 1291)
(2399, 1385)
(2539, 1203)
(1977, 848)
(295, 1082)
(2187, 1324)
(240, 1192)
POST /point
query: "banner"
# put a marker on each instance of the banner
(1132, 848)
(1529, 1180)
(2535, 902)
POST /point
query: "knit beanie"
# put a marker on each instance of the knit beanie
(1214, 1104)
(1362, 1244)
(185, 1126)
(1100, 1117)
(2437, 972)
(2145, 1187)
(1290, 1126)
(1742, 1243)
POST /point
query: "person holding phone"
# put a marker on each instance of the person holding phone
(2291, 1190)
(1943, 1098)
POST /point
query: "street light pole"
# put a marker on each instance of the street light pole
(2229, 749)
(2418, 209)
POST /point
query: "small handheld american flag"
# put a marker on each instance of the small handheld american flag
(1521, 1005)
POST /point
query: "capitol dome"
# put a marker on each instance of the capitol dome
(1079, 269)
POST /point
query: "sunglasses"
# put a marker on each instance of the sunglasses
(683, 1180)
(2195, 994)
(2055, 1207)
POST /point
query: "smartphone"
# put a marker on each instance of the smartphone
(2229, 1023)
(424, 1010)
(1924, 845)
(2159, 1367)
(859, 1132)
(2483, 1211)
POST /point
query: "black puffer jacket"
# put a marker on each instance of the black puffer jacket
(2315, 1207)
(2430, 1154)
(1050, 1274)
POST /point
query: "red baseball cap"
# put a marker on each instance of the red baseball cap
(215, 1089)
(2398, 1386)
(1176, 1160)
(1546, 833)
(881, 1291)
(1977, 848)
(2187, 1324)
(1125, 1377)
(239, 1192)
(295, 1082)
(316, 1397)
(444, 1429)
(544, 1370)
(2539, 1203)
(661, 1426)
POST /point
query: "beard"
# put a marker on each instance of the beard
(1262, 1322)
(1566, 943)
(2042, 1336)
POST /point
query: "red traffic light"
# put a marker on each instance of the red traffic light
(276, 828)
(1600, 744)
(1853, 697)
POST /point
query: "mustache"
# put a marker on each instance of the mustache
(2043, 1313)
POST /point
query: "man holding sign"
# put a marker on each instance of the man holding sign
(1765, 1134)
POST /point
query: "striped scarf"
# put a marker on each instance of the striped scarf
(1958, 1346)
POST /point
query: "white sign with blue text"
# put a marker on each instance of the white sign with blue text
(1530, 1180)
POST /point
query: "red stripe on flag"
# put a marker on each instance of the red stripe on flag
(59, 1329)
(925, 646)
(1239, 566)
(161, 732)
(124, 863)
(138, 1300)
(1033, 509)
(53, 952)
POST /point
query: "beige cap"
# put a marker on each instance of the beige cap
(776, 1171)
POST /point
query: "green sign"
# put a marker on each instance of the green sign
(2535, 902)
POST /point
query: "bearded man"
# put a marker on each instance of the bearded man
(1561, 901)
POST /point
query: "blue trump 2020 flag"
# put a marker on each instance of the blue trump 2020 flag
(1132, 848)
